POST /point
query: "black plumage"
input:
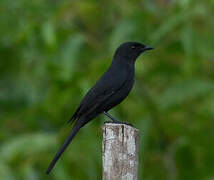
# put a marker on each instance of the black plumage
(110, 90)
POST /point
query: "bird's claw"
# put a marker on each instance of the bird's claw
(108, 122)
(119, 122)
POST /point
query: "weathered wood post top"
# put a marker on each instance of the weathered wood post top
(120, 152)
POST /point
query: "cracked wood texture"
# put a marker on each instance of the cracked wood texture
(120, 152)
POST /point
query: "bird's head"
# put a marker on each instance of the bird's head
(130, 51)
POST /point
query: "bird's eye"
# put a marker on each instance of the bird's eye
(133, 47)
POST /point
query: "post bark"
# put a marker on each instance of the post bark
(120, 152)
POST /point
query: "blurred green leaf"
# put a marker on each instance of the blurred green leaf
(27, 145)
(184, 92)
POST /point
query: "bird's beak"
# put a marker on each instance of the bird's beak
(148, 48)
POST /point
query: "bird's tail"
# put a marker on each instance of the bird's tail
(79, 123)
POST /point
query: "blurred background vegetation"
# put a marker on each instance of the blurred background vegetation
(53, 51)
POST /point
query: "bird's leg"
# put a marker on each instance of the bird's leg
(115, 120)
(111, 117)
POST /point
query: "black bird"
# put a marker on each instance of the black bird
(110, 90)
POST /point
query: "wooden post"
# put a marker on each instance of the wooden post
(120, 152)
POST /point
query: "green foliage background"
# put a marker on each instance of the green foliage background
(53, 51)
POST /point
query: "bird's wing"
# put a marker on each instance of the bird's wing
(97, 95)
(90, 102)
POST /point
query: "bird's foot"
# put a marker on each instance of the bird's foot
(119, 122)
(108, 122)
(115, 121)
